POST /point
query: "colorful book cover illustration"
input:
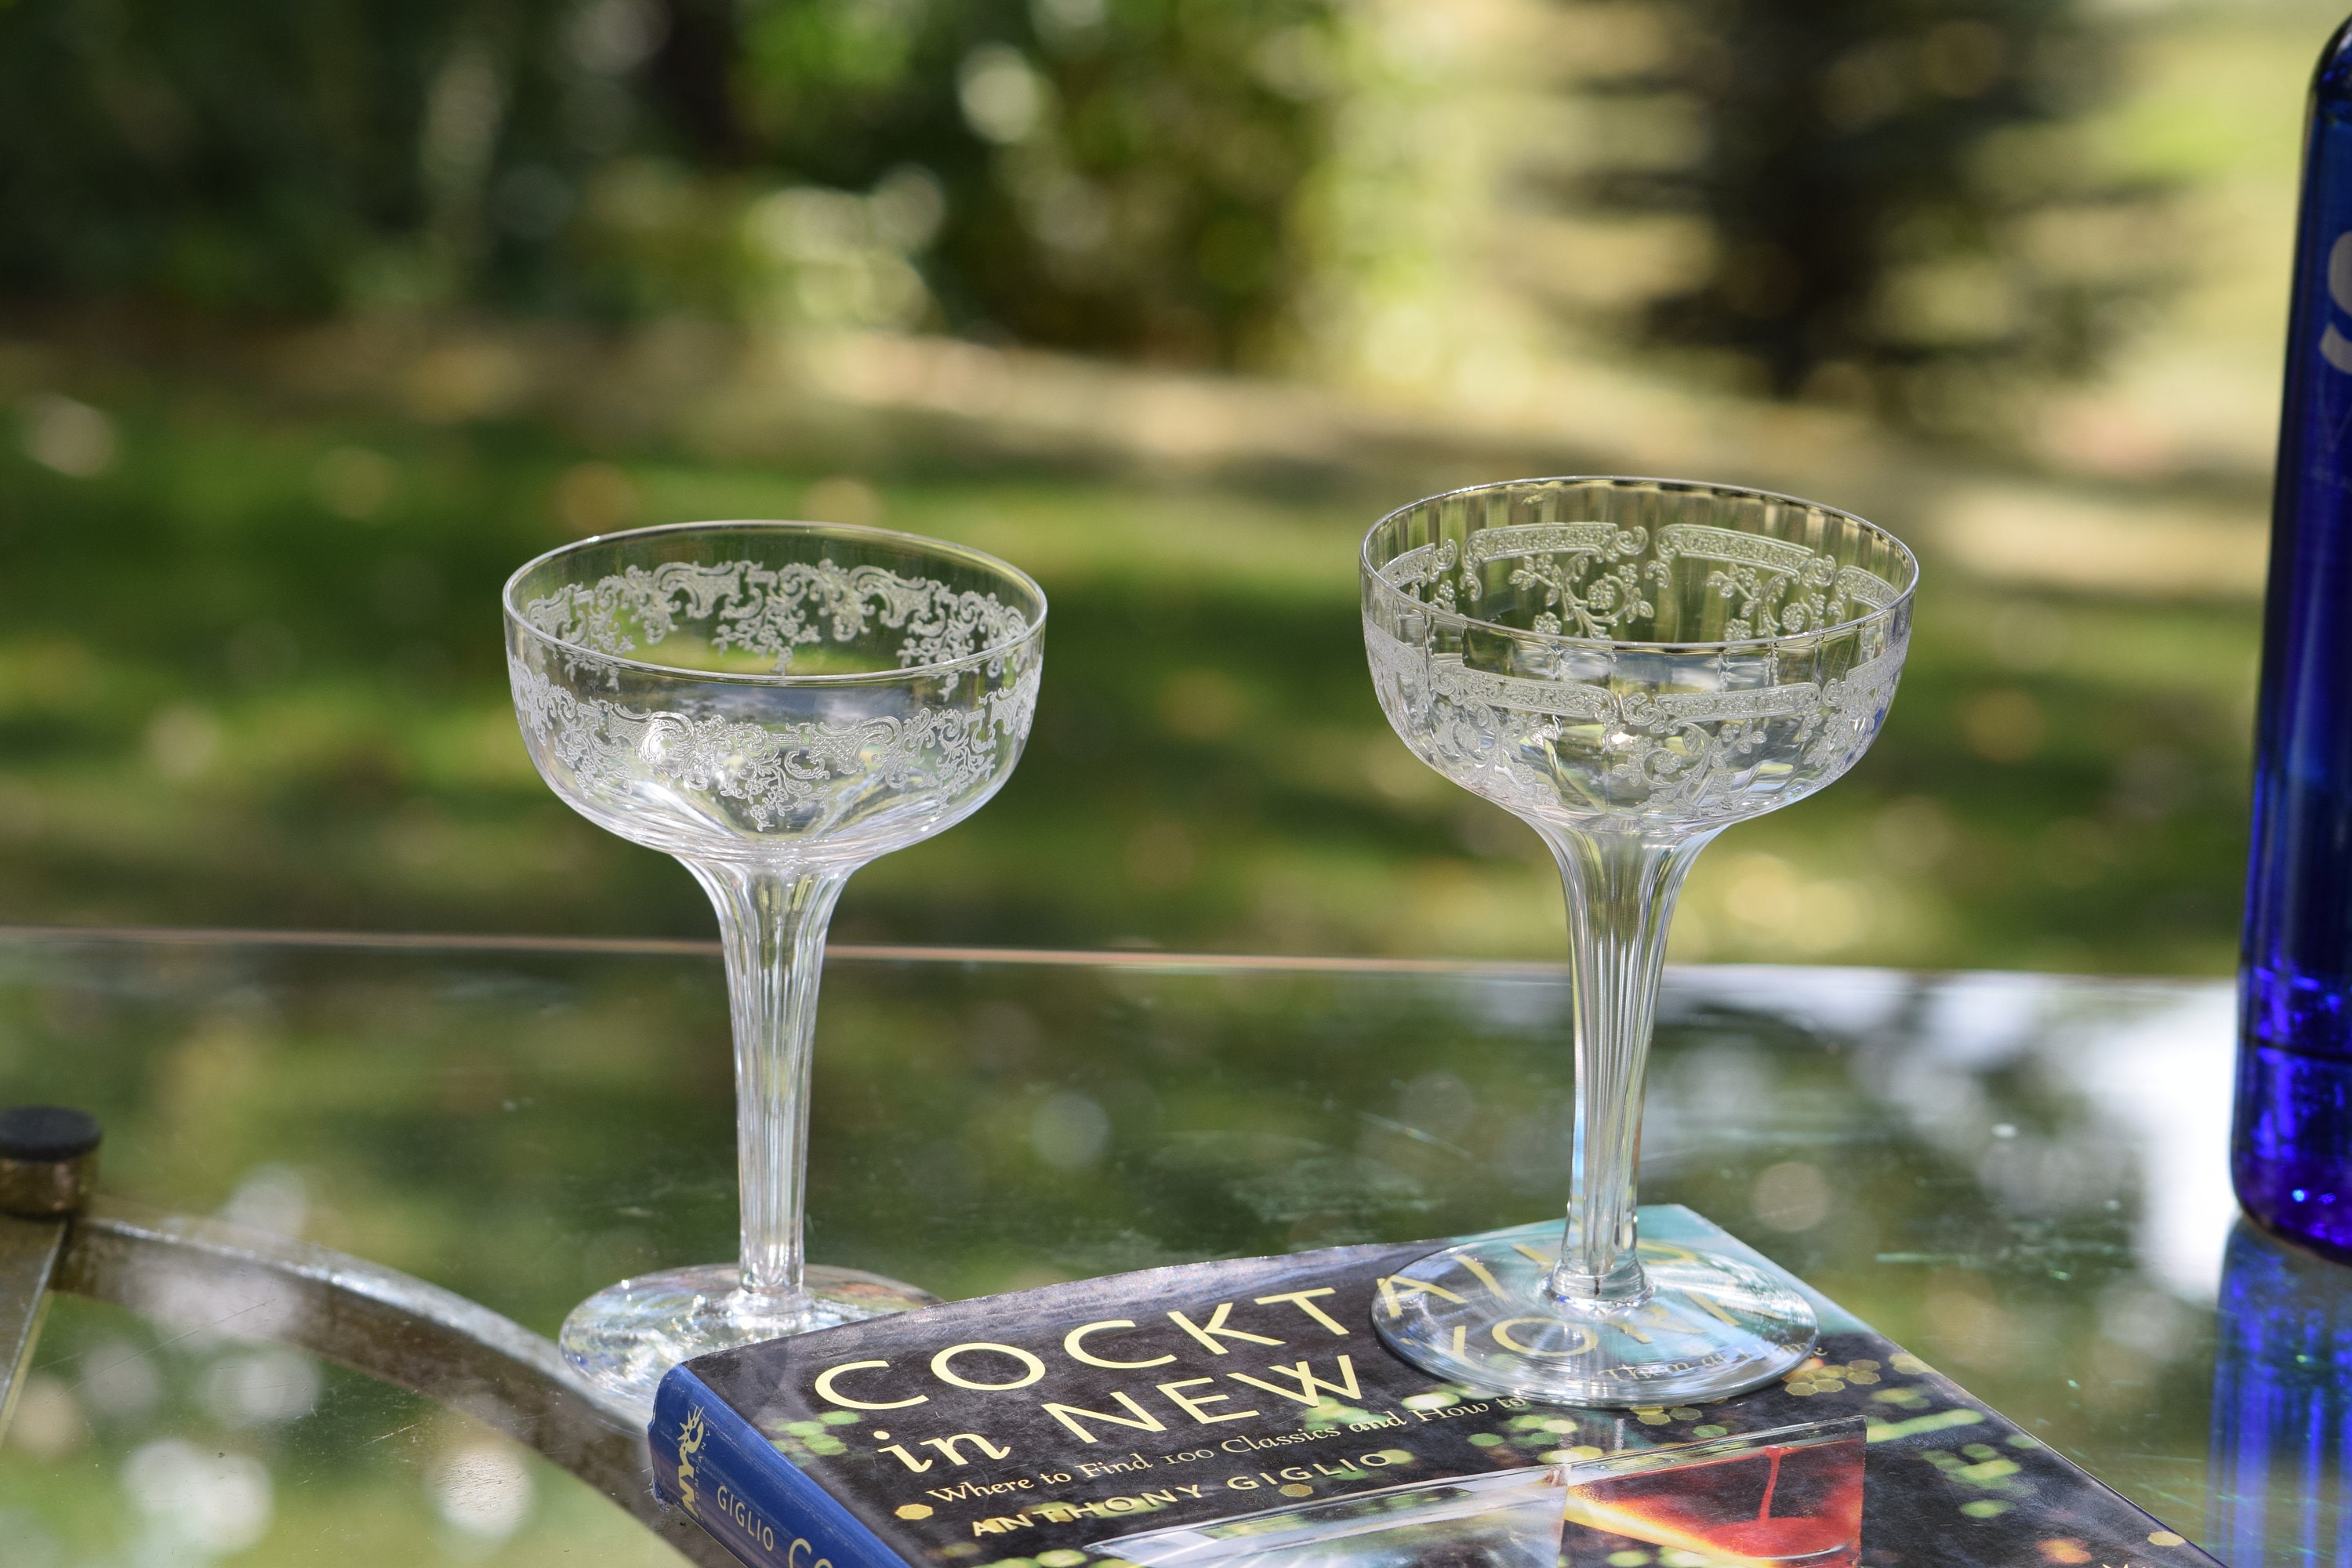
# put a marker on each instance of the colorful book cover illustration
(1245, 1410)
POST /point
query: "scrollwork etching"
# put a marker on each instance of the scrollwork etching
(804, 776)
(773, 610)
(1592, 580)
(1581, 749)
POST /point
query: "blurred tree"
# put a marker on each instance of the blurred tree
(1113, 175)
(274, 156)
(1905, 210)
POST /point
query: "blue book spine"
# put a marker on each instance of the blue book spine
(751, 1499)
(2291, 1158)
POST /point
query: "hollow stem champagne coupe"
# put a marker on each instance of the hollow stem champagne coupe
(775, 704)
(1628, 666)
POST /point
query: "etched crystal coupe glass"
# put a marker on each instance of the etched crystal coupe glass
(1628, 667)
(775, 704)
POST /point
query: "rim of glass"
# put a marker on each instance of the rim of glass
(1372, 572)
(964, 554)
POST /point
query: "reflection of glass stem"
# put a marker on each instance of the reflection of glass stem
(772, 922)
(1620, 890)
(1771, 1479)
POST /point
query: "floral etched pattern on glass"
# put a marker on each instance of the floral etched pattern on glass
(1629, 666)
(785, 743)
(775, 704)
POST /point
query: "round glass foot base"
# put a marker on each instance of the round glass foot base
(1710, 1327)
(625, 1336)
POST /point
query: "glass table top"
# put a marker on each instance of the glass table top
(2023, 1178)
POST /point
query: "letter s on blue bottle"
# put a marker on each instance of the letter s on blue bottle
(2291, 1150)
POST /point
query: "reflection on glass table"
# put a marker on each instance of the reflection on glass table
(2281, 1406)
(2021, 1178)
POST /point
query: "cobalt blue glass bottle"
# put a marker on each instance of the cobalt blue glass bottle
(2291, 1154)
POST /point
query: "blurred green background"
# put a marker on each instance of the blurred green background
(317, 319)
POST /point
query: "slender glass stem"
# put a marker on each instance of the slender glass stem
(1620, 890)
(772, 922)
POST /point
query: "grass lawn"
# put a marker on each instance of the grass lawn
(250, 674)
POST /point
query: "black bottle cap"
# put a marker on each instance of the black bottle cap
(47, 1132)
(48, 1156)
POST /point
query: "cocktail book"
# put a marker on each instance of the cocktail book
(1212, 1413)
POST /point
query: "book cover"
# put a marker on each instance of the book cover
(1208, 1413)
